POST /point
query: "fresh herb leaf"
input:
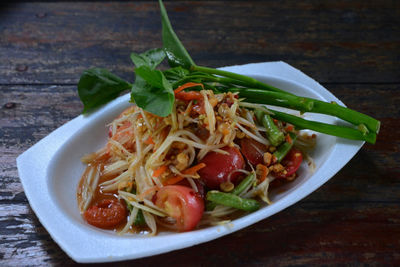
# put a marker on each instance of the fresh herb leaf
(176, 52)
(99, 86)
(154, 77)
(151, 58)
(152, 92)
(175, 74)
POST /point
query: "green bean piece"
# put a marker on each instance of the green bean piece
(236, 191)
(231, 200)
(243, 184)
(274, 135)
(283, 149)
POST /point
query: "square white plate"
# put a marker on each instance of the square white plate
(50, 171)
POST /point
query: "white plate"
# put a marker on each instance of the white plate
(50, 171)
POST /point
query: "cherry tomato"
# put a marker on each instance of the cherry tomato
(291, 162)
(182, 204)
(219, 166)
(106, 214)
(200, 186)
(253, 151)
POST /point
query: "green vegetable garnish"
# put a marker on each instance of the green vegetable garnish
(234, 201)
(97, 87)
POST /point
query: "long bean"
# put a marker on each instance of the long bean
(234, 201)
(243, 184)
(283, 149)
(274, 135)
(236, 191)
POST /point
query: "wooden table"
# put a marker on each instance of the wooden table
(351, 47)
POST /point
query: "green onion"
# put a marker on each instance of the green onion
(335, 130)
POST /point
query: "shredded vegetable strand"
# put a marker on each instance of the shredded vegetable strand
(257, 138)
(143, 207)
(151, 222)
(137, 199)
(210, 112)
(132, 218)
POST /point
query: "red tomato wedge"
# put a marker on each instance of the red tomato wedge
(200, 186)
(106, 214)
(219, 166)
(291, 162)
(182, 204)
(253, 151)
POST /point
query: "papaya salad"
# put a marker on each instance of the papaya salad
(198, 146)
(209, 158)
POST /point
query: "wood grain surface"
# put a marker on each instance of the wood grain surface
(351, 47)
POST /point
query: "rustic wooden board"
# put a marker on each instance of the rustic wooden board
(307, 233)
(352, 47)
(355, 41)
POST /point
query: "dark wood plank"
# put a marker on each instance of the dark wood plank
(333, 41)
(307, 233)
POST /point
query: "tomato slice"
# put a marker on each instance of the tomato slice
(219, 166)
(253, 151)
(182, 204)
(291, 162)
(106, 214)
(200, 186)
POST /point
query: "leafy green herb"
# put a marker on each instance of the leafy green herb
(176, 52)
(175, 74)
(152, 91)
(99, 86)
(151, 58)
